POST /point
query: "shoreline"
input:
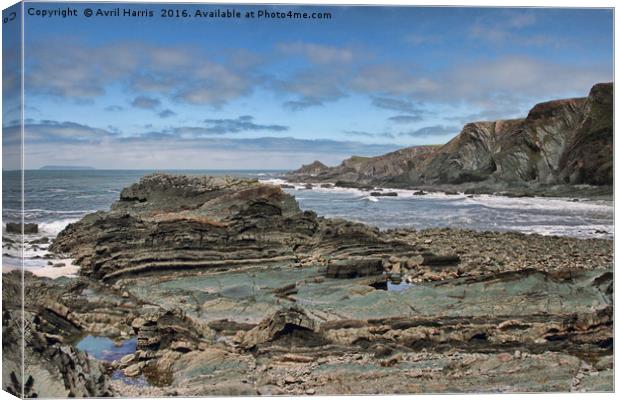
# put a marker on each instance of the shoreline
(581, 192)
(450, 190)
(70, 270)
(489, 200)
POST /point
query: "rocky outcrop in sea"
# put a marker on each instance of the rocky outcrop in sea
(182, 223)
(228, 288)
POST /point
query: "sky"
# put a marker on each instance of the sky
(250, 93)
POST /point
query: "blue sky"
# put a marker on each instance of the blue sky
(255, 93)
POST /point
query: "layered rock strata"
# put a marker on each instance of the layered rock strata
(180, 223)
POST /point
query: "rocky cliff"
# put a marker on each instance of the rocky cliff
(366, 170)
(559, 142)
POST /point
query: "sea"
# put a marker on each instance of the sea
(53, 199)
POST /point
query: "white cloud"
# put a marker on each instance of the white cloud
(318, 53)
(71, 69)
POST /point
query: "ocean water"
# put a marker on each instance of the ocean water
(53, 199)
(545, 216)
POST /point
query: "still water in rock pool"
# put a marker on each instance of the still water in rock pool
(399, 287)
(103, 348)
(139, 381)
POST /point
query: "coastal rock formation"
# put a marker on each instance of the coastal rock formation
(228, 288)
(314, 168)
(366, 170)
(167, 222)
(587, 155)
(559, 142)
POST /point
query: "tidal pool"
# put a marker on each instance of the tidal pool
(399, 287)
(105, 349)
(139, 381)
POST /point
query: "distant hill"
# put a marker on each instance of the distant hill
(66, 167)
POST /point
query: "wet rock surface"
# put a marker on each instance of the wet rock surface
(229, 289)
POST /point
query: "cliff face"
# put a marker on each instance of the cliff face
(531, 150)
(468, 157)
(588, 155)
(559, 142)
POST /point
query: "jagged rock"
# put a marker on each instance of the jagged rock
(182, 346)
(550, 298)
(587, 155)
(358, 171)
(287, 322)
(159, 329)
(133, 370)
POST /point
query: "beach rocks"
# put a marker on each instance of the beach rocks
(292, 324)
(159, 329)
(177, 223)
(133, 370)
(29, 229)
(438, 260)
(384, 194)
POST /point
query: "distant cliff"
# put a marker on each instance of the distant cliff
(364, 170)
(566, 141)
